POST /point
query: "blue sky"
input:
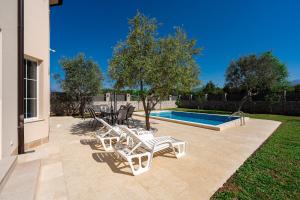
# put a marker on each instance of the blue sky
(226, 29)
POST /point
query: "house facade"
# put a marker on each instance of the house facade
(24, 87)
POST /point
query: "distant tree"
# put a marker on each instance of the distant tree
(297, 88)
(157, 66)
(83, 79)
(255, 74)
(211, 88)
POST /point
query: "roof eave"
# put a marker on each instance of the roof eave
(55, 3)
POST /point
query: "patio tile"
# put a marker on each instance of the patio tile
(75, 167)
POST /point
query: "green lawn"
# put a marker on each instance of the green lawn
(273, 171)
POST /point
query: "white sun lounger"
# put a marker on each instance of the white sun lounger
(144, 146)
(114, 134)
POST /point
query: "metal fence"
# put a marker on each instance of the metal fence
(278, 96)
(292, 96)
(287, 103)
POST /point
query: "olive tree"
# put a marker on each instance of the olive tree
(256, 73)
(211, 88)
(155, 65)
(82, 79)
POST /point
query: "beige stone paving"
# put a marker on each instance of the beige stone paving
(75, 167)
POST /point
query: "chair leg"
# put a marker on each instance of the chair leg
(93, 123)
(96, 124)
(107, 143)
(132, 121)
(90, 122)
(179, 149)
(140, 168)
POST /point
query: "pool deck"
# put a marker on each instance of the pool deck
(74, 166)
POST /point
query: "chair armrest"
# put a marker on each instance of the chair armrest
(160, 143)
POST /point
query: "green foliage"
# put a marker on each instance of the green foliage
(257, 73)
(273, 171)
(61, 104)
(297, 88)
(82, 79)
(158, 66)
(211, 88)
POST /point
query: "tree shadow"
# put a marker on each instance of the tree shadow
(88, 128)
(84, 128)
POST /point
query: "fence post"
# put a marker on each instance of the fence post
(170, 97)
(225, 96)
(284, 95)
(128, 97)
(107, 97)
(205, 97)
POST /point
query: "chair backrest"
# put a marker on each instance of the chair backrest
(88, 109)
(136, 138)
(122, 107)
(116, 129)
(105, 123)
(93, 113)
(122, 114)
(130, 111)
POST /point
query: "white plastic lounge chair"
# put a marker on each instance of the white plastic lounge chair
(114, 133)
(144, 146)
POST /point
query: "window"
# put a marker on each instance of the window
(30, 88)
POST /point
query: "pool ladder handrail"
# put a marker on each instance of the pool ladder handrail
(240, 114)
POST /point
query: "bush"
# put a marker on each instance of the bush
(61, 104)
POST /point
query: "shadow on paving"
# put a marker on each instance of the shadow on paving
(82, 128)
(88, 127)
(115, 164)
(118, 165)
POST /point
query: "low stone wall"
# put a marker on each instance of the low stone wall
(170, 103)
(61, 105)
(284, 108)
(138, 104)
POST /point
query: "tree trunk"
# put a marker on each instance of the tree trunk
(145, 105)
(147, 120)
(82, 107)
(146, 110)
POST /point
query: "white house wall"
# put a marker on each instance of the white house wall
(36, 45)
(8, 77)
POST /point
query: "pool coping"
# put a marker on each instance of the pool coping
(219, 127)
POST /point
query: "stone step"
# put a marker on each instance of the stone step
(23, 181)
(7, 166)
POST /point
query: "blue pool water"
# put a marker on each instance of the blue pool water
(194, 117)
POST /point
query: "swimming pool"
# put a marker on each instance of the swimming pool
(211, 121)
